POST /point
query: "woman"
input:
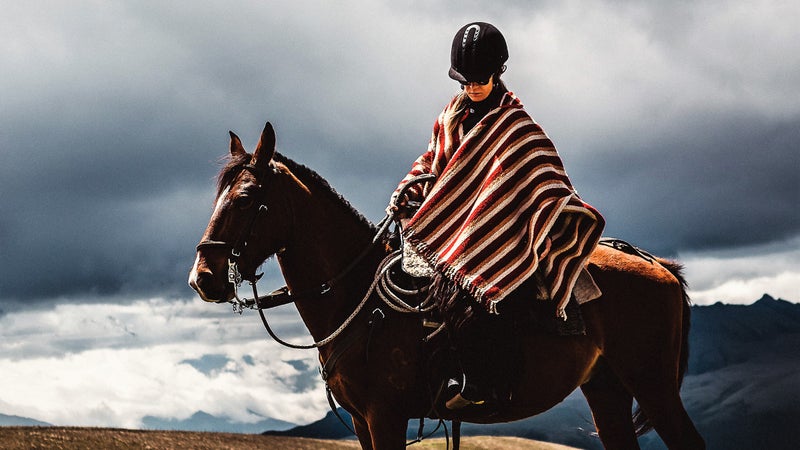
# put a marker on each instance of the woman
(502, 207)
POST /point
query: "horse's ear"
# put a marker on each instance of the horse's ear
(236, 145)
(266, 146)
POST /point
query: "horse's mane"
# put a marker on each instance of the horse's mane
(235, 163)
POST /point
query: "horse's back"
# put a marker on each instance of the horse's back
(609, 262)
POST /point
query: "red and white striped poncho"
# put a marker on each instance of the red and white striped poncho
(500, 190)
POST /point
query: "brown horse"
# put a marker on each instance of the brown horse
(635, 346)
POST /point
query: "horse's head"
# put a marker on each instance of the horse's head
(246, 201)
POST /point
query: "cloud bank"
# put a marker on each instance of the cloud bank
(112, 365)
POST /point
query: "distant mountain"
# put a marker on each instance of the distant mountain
(723, 335)
(742, 389)
(199, 421)
(329, 427)
(202, 421)
(17, 421)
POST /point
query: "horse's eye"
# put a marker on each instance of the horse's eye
(243, 202)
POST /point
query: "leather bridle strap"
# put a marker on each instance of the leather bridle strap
(241, 241)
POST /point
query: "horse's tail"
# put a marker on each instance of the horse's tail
(640, 421)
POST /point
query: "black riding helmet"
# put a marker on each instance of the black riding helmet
(479, 50)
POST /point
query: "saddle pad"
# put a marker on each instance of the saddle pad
(585, 289)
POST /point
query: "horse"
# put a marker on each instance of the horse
(635, 344)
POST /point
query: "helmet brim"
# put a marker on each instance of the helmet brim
(466, 78)
(456, 76)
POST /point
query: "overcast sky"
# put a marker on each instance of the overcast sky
(679, 121)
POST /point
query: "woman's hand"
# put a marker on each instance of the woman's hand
(398, 207)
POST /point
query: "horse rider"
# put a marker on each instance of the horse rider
(501, 209)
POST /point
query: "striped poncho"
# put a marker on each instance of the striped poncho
(501, 189)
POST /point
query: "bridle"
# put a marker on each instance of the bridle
(235, 277)
(283, 295)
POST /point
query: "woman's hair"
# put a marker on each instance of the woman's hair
(461, 100)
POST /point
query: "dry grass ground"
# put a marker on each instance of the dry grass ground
(63, 438)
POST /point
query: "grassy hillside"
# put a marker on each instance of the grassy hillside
(64, 438)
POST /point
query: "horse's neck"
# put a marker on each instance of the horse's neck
(326, 241)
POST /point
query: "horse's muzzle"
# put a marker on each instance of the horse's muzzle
(203, 281)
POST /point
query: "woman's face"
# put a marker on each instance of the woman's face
(478, 92)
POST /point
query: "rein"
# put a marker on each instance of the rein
(283, 295)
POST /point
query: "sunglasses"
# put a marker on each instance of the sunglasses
(477, 82)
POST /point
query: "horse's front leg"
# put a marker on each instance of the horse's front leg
(362, 432)
(388, 431)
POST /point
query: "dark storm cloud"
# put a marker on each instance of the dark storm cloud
(114, 117)
(726, 182)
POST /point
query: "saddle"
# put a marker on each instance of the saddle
(460, 330)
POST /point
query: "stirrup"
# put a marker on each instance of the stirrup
(458, 401)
